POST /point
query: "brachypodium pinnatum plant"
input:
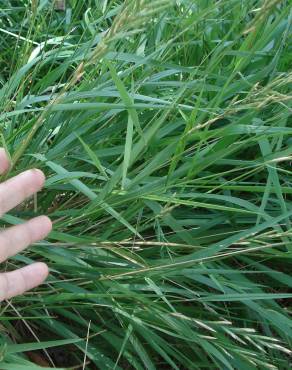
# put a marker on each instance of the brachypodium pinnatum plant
(164, 129)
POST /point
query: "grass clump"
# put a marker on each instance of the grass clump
(163, 128)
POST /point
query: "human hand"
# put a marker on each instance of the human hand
(16, 238)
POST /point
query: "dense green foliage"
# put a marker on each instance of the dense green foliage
(163, 129)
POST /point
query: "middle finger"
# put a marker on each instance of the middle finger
(16, 238)
(18, 188)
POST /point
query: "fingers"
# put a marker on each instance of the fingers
(17, 282)
(16, 238)
(12, 241)
(4, 161)
(15, 190)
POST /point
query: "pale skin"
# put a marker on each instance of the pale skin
(16, 238)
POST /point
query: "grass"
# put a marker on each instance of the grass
(164, 129)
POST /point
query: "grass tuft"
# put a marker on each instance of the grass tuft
(164, 129)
